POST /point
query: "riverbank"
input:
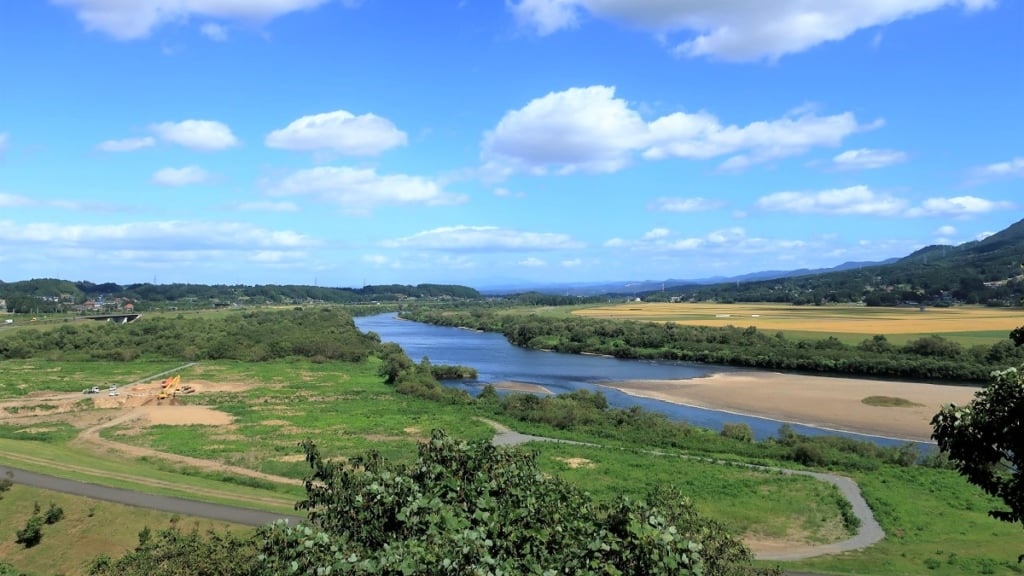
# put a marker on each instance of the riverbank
(820, 401)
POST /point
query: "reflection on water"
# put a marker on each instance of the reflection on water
(498, 361)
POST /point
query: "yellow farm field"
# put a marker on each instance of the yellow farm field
(823, 319)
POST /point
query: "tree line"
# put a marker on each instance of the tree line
(49, 295)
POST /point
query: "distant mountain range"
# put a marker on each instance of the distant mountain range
(642, 286)
(988, 271)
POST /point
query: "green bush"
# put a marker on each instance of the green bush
(32, 533)
(54, 514)
(738, 431)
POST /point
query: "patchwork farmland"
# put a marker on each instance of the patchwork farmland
(968, 325)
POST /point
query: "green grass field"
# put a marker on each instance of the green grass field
(935, 523)
(750, 502)
(89, 528)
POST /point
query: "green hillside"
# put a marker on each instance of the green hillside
(987, 271)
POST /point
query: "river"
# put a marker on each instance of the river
(498, 361)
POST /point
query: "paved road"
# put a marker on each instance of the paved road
(164, 503)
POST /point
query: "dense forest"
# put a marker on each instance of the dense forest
(987, 271)
(925, 358)
(48, 295)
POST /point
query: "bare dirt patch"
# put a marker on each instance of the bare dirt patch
(576, 462)
(184, 415)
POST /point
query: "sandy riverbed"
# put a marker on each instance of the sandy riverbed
(522, 387)
(822, 401)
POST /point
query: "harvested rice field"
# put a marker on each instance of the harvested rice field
(977, 324)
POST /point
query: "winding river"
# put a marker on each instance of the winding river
(498, 361)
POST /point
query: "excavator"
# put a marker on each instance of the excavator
(170, 387)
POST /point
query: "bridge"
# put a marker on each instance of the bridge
(117, 318)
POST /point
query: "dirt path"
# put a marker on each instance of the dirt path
(869, 532)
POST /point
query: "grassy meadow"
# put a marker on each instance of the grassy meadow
(935, 523)
(89, 528)
(967, 325)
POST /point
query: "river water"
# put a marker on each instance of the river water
(498, 361)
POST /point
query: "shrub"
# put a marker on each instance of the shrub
(54, 514)
(32, 533)
(738, 431)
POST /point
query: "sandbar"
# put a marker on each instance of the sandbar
(822, 401)
(522, 387)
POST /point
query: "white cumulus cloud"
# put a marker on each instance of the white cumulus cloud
(532, 262)
(180, 176)
(479, 238)
(945, 231)
(854, 200)
(132, 19)
(203, 135)
(360, 190)
(1010, 168)
(126, 144)
(724, 241)
(736, 30)
(697, 204)
(590, 129)
(657, 233)
(962, 206)
(866, 158)
(577, 129)
(340, 131)
(172, 236)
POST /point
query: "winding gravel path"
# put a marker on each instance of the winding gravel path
(867, 534)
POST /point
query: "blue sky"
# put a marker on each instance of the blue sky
(343, 142)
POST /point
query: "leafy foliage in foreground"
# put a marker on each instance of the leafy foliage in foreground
(462, 508)
(472, 508)
(176, 553)
(985, 439)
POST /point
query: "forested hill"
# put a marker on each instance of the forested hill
(50, 295)
(987, 271)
